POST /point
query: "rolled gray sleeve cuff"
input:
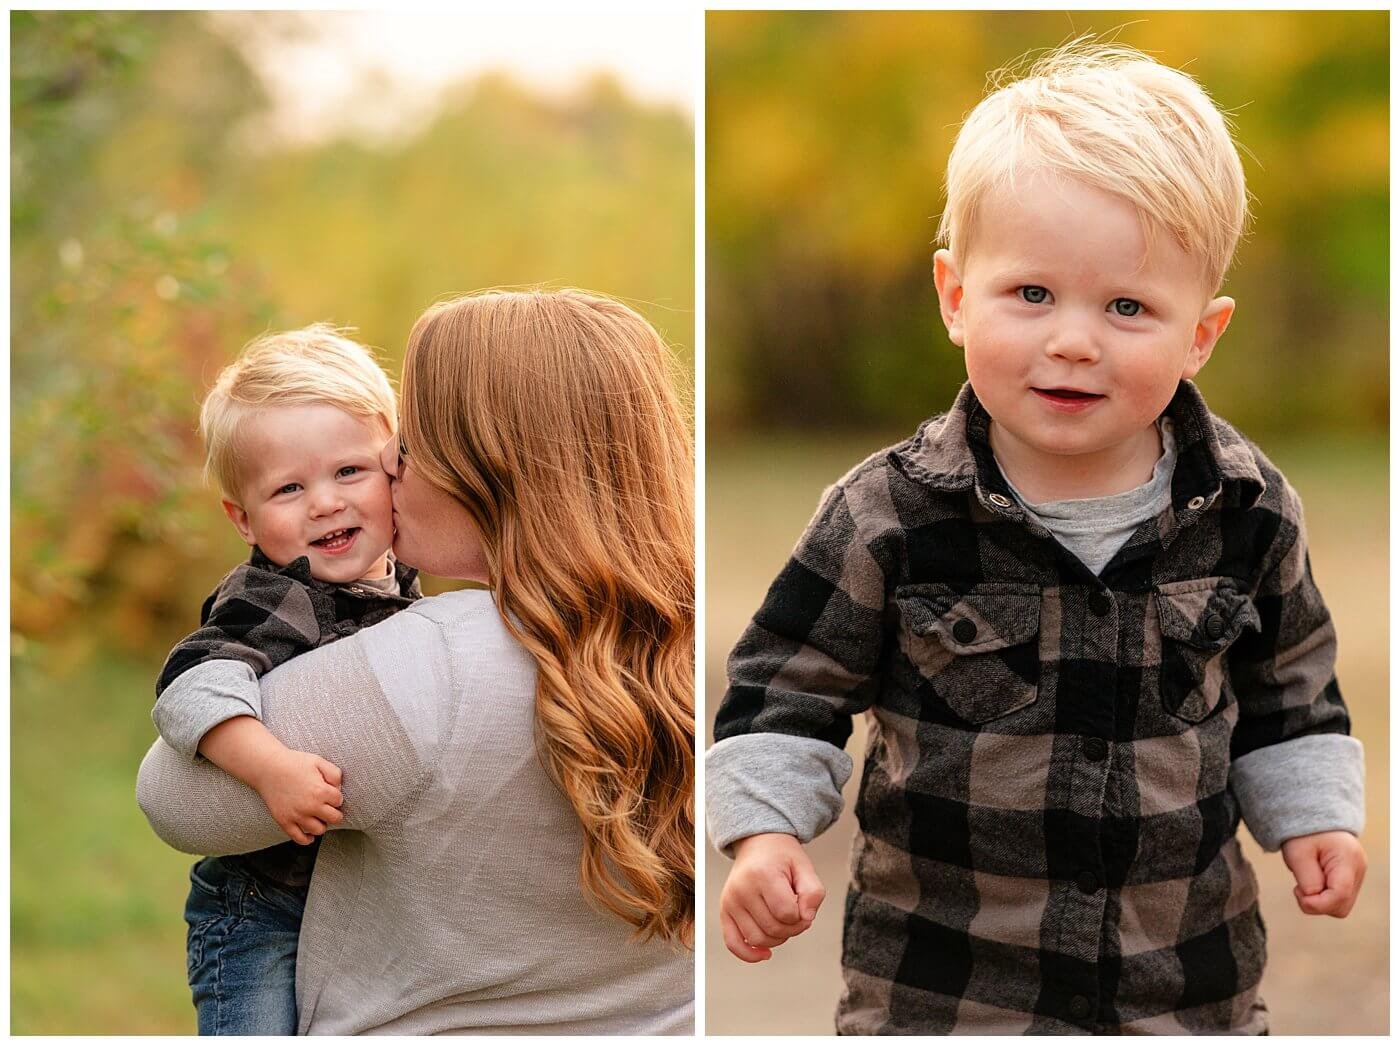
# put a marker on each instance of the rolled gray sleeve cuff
(203, 697)
(758, 783)
(1315, 783)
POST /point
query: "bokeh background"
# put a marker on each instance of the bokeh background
(826, 139)
(180, 183)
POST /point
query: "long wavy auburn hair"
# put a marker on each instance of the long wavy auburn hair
(552, 417)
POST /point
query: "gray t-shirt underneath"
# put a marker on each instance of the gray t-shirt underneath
(1094, 529)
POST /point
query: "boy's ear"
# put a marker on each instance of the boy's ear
(239, 518)
(950, 294)
(1209, 328)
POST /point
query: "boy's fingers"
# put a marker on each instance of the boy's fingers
(763, 917)
(1325, 903)
(1343, 883)
(780, 900)
(331, 796)
(751, 931)
(772, 926)
(1308, 874)
(296, 834)
(734, 941)
(313, 826)
(329, 771)
(810, 891)
(330, 815)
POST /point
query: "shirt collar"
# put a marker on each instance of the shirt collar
(953, 452)
(299, 570)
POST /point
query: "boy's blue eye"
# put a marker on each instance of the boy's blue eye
(348, 470)
(1033, 294)
(289, 488)
(1126, 306)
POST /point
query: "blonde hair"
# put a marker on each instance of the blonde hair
(551, 416)
(317, 364)
(1112, 118)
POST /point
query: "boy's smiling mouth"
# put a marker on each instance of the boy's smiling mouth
(1068, 399)
(337, 540)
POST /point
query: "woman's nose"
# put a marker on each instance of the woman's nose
(389, 457)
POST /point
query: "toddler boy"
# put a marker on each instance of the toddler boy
(293, 431)
(1077, 610)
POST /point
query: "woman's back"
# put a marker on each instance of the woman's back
(458, 907)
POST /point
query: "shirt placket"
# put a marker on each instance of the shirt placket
(1088, 682)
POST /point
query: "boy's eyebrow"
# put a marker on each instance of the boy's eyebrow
(1022, 273)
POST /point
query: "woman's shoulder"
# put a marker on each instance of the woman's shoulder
(421, 657)
(464, 608)
(431, 655)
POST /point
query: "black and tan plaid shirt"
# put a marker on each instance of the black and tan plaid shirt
(264, 615)
(1047, 822)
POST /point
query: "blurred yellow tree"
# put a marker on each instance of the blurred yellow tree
(826, 138)
(151, 239)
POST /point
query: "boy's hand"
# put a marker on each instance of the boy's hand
(1329, 867)
(302, 792)
(772, 893)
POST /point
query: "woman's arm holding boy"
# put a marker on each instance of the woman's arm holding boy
(328, 701)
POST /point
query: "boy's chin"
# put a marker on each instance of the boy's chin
(344, 573)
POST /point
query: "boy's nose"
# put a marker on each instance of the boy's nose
(1074, 342)
(326, 503)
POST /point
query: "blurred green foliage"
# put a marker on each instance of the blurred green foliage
(153, 234)
(97, 945)
(827, 134)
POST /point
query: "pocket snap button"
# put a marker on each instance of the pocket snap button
(1215, 626)
(964, 631)
(1095, 749)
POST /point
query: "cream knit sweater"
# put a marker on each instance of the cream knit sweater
(450, 902)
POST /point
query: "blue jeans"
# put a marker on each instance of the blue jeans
(242, 952)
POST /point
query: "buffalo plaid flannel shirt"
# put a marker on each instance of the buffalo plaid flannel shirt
(264, 615)
(1047, 827)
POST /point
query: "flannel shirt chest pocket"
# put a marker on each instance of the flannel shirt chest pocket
(1199, 619)
(977, 647)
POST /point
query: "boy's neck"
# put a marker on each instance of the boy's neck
(378, 570)
(1040, 477)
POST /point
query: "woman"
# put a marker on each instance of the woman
(517, 761)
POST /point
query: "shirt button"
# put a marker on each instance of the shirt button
(1215, 626)
(1079, 1007)
(964, 631)
(1095, 749)
(1088, 882)
(1099, 603)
